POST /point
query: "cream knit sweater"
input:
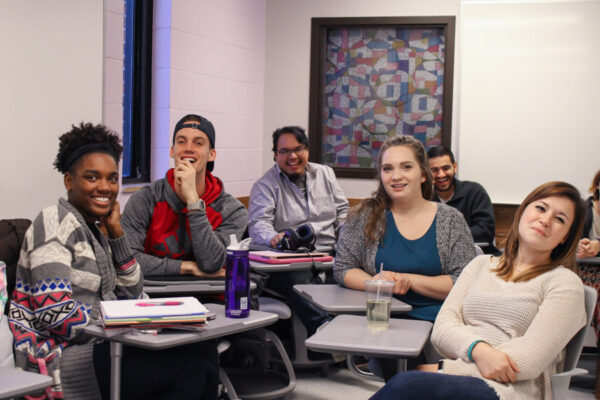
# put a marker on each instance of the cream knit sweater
(530, 321)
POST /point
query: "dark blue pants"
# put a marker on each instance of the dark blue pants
(416, 385)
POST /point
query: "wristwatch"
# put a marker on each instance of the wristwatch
(197, 206)
(440, 365)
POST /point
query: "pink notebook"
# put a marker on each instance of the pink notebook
(273, 257)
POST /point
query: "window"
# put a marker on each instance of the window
(137, 79)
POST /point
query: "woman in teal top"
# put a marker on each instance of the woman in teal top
(404, 256)
(423, 245)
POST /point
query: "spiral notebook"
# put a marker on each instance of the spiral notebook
(166, 310)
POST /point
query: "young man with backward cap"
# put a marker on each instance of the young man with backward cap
(181, 223)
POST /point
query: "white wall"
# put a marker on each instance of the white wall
(288, 59)
(50, 77)
(114, 35)
(530, 95)
(525, 85)
(210, 61)
(113, 87)
(245, 65)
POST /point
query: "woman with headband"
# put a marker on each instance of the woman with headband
(75, 255)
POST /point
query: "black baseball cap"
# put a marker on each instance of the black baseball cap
(196, 121)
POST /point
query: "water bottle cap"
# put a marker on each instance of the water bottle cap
(235, 245)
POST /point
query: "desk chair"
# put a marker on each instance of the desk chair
(478, 250)
(14, 382)
(239, 383)
(349, 334)
(6, 344)
(560, 382)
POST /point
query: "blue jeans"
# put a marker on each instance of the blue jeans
(415, 385)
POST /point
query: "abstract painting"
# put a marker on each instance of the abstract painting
(376, 80)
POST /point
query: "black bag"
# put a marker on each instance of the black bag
(12, 233)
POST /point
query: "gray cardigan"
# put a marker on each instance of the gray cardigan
(454, 242)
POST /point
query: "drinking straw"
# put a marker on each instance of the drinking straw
(379, 286)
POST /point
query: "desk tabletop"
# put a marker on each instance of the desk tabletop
(220, 326)
(196, 288)
(167, 280)
(186, 287)
(589, 261)
(335, 299)
(349, 334)
(298, 266)
(17, 383)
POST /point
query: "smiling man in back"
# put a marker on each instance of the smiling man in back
(470, 198)
(181, 224)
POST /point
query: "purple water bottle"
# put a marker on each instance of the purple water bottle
(237, 280)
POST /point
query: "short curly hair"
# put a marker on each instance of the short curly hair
(86, 134)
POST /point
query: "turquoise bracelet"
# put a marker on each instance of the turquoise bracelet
(470, 351)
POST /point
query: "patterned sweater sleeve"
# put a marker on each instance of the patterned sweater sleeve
(43, 302)
(130, 282)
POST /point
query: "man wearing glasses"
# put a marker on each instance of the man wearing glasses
(295, 192)
(292, 193)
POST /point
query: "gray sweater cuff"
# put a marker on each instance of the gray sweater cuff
(121, 251)
(173, 267)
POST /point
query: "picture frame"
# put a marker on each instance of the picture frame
(376, 77)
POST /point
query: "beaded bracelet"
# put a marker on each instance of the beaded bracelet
(470, 351)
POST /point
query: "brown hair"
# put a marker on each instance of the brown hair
(564, 253)
(380, 200)
(593, 188)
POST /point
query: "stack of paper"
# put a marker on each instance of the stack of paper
(153, 312)
(278, 257)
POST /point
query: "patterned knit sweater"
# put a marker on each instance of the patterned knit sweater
(530, 321)
(64, 271)
(454, 244)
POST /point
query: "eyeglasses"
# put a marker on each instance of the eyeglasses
(286, 152)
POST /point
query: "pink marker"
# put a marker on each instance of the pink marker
(163, 303)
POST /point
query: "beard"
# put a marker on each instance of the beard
(450, 186)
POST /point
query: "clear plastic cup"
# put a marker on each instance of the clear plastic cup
(379, 299)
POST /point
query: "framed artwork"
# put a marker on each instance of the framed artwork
(372, 78)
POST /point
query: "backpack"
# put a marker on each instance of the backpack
(12, 233)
